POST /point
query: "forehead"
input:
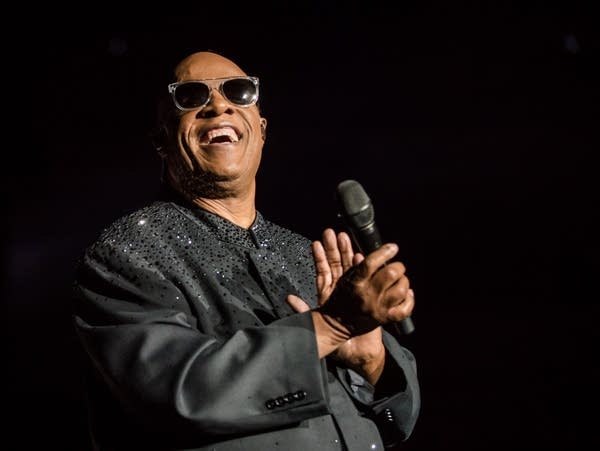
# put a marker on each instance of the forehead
(206, 65)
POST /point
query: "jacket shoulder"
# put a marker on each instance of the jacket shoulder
(141, 224)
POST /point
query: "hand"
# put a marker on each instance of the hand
(364, 353)
(371, 293)
(333, 257)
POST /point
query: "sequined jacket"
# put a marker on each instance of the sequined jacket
(187, 343)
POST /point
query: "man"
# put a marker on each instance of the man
(205, 326)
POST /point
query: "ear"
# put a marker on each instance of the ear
(160, 139)
(263, 128)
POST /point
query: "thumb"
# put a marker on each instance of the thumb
(297, 303)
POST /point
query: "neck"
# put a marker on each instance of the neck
(235, 205)
(239, 210)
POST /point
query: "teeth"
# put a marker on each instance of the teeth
(219, 132)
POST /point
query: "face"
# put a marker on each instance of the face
(215, 150)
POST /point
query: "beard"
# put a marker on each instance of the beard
(197, 183)
(205, 185)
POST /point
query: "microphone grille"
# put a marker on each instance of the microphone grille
(352, 197)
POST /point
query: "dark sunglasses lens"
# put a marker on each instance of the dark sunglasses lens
(240, 91)
(192, 95)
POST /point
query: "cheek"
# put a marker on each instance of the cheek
(257, 146)
(183, 128)
(180, 152)
(184, 138)
(180, 162)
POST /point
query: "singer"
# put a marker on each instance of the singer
(205, 326)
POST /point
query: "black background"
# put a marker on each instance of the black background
(471, 127)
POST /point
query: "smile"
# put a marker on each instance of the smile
(220, 135)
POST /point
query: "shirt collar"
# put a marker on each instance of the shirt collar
(256, 236)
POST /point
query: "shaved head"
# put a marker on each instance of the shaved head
(203, 65)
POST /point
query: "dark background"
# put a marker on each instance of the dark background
(472, 128)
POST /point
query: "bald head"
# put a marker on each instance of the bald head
(204, 65)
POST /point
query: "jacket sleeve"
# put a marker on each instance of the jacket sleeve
(394, 403)
(166, 372)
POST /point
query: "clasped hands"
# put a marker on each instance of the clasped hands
(356, 295)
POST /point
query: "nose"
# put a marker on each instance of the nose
(216, 106)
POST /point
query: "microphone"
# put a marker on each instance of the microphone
(358, 214)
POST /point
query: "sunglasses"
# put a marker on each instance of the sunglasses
(191, 94)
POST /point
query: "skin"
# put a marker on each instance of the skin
(357, 294)
(217, 177)
(380, 293)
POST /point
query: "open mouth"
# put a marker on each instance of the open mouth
(220, 135)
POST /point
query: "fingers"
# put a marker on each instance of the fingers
(357, 259)
(297, 304)
(339, 252)
(346, 251)
(324, 276)
(404, 309)
(391, 276)
(395, 296)
(366, 267)
(397, 292)
(378, 258)
(384, 286)
(334, 257)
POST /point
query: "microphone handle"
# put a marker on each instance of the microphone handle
(367, 240)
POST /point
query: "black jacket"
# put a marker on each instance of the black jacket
(188, 343)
